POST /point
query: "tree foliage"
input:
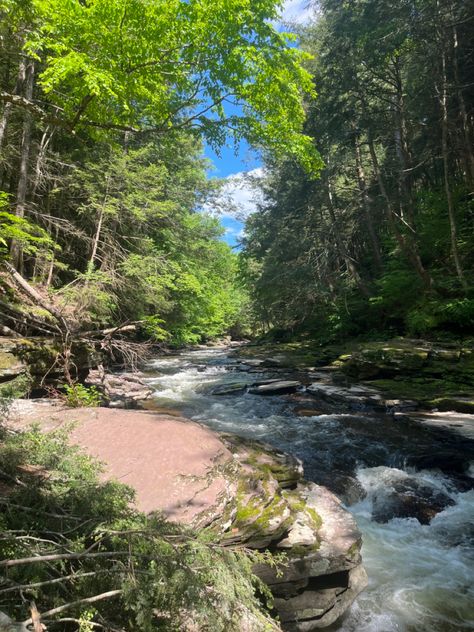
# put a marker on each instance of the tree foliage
(105, 105)
(384, 238)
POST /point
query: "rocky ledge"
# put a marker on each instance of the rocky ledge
(245, 493)
(272, 508)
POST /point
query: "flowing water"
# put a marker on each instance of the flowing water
(421, 575)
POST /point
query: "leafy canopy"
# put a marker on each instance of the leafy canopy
(217, 66)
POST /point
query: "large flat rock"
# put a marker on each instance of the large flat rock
(169, 461)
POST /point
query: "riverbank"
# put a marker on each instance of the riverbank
(246, 494)
(431, 374)
(400, 465)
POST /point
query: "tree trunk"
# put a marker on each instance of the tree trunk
(447, 186)
(16, 253)
(341, 248)
(95, 243)
(7, 111)
(402, 150)
(407, 246)
(366, 205)
(43, 147)
(468, 148)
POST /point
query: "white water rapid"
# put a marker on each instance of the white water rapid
(421, 575)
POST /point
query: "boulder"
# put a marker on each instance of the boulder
(276, 388)
(410, 499)
(230, 389)
(121, 390)
(354, 396)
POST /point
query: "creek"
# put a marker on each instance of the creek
(384, 467)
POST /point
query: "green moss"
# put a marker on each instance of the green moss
(295, 501)
(353, 550)
(457, 405)
(8, 361)
(18, 387)
(298, 504)
(316, 518)
(419, 389)
(303, 551)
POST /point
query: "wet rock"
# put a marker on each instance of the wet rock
(409, 499)
(347, 488)
(124, 390)
(339, 598)
(448, 461)
(308, 412)
(230, 389)
(357, 396)
(272, 362)
(276, 388)
(456, 404)
(274, 508)
(320, 580)
(253, 362)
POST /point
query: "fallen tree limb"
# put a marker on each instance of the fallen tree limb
(25, 319)
(55, 557)
(106, 595)
(34, 295)
(124, 328)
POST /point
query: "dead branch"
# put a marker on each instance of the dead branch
(55, 557)
(35, 619)
(34, 295)
(48, 582)
(107, 595)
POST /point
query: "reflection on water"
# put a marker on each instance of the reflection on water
(421, 576)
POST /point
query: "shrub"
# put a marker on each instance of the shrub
(80, 396)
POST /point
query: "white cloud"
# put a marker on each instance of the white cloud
(299, 11)
(239, 196)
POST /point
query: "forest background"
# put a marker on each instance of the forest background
(103, 181)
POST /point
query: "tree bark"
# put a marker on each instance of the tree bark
(447, 186)
(401, 145)
(8, 105)
(342, 250)
(468, 144)
(16, 252)
(366, 205)
(407, 246)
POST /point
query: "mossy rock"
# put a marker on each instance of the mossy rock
(19, 386)
(40, 357)
(446, 404)
(10, 365)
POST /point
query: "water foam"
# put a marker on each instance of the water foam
(421, 576)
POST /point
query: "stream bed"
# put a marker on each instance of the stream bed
(387, 469)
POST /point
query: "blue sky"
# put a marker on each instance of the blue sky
(234, 165)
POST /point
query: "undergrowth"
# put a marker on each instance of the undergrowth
(77, 548)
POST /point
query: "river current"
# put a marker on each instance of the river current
(420, 575)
